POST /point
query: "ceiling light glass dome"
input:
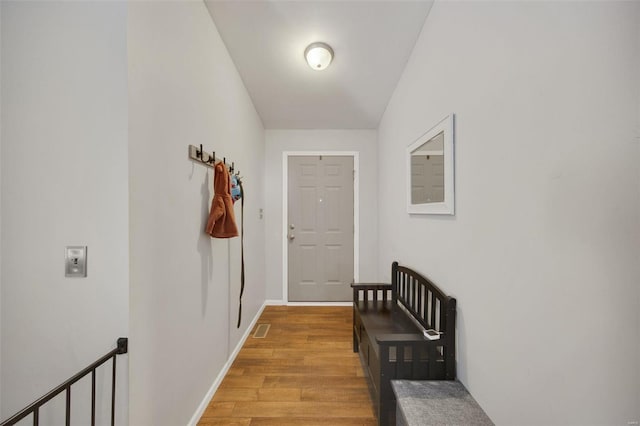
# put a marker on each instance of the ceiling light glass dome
(318, 55)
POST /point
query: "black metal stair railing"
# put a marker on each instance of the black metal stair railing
(34, 408)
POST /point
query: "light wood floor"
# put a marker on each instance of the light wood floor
(303, 373)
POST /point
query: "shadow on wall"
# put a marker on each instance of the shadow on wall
(204, 245)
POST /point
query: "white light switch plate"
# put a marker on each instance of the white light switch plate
(75, 261)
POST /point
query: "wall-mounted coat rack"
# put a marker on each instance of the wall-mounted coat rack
(199, 155)
(209, 159)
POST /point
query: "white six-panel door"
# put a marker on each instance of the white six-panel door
(320, 228)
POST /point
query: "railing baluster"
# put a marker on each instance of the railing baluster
(93, 397)
(34, 408)
(113, 393)
(68, 419)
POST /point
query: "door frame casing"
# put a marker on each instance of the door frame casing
(285, 213)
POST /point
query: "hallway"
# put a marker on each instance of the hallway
(303, 372)
(100, 102)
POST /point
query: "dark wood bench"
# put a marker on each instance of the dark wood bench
(388, 320)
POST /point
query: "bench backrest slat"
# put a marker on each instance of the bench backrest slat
(421, 297)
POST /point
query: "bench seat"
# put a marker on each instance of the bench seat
(385, 321)
(385, 317)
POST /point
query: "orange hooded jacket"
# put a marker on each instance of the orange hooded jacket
(222, 220)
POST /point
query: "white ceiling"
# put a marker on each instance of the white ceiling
(372, 41)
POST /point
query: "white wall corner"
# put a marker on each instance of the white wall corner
(638, 162)
(0, 210)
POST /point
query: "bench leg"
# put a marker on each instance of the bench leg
(387, 405)
(353, 328)
(387, 413)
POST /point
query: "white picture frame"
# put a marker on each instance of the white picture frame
(438, 140)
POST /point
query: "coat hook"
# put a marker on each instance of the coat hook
(199, 153)
(224, 160)
(233, 165)
(213, 158)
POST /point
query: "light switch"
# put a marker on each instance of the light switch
(76, 261)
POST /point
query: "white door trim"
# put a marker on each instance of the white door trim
(285, 210)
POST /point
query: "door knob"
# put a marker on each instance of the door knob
(291, 237)
(292, 226)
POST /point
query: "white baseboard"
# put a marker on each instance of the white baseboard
(319, 303)
(283, 303)
(216, 383)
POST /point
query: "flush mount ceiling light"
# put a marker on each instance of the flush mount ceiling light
(318, 55)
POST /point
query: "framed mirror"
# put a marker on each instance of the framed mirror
(430, 186)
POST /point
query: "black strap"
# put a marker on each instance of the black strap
(242, 253)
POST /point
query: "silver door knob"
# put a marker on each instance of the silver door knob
(292, 226)
(291, 237)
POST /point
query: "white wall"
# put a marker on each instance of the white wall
(0, 211)
(638, 142)
(184, 89)
(543, 251)
(361, 141)
(64, 182)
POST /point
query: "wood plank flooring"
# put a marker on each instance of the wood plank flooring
(303, 373)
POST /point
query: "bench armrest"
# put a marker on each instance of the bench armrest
(371, 286)
(363, 290)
